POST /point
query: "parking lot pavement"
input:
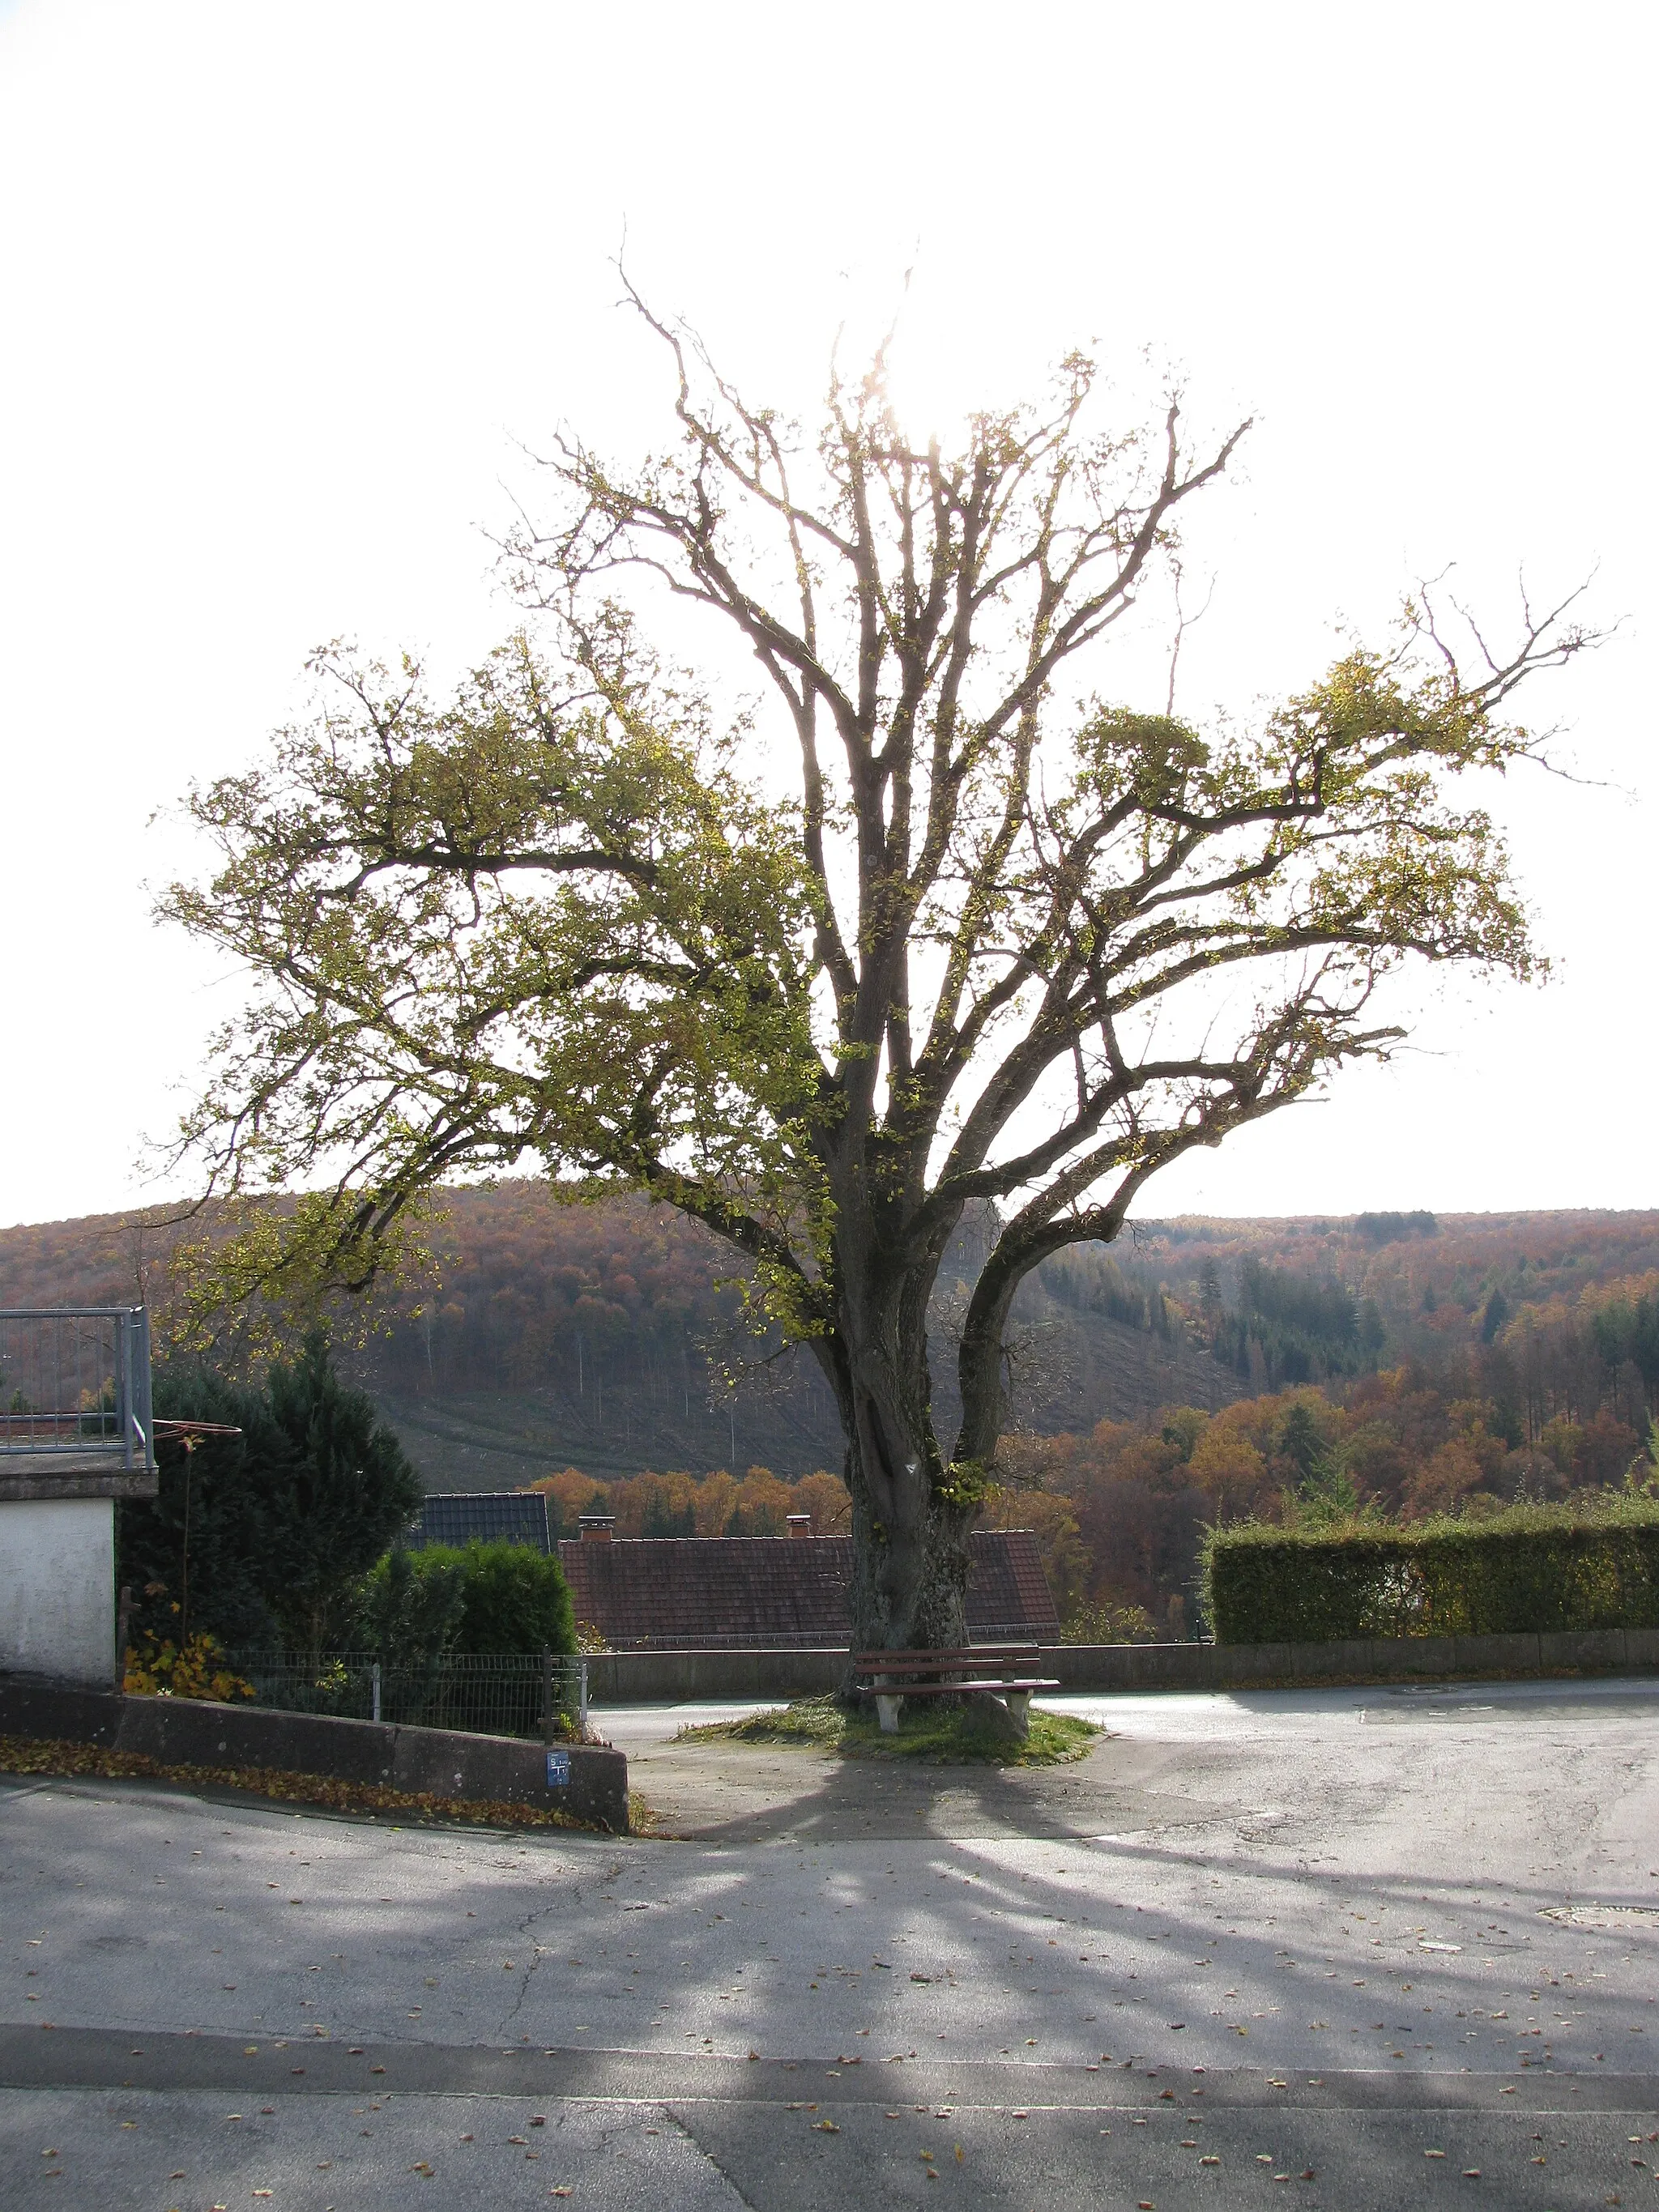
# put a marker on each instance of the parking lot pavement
(1319, 1936)
(309, 2153)
(1234, 1717)
(723, 2146)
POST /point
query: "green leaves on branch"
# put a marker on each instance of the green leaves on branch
(1331, 828)
(547, 920)
(965, 1484)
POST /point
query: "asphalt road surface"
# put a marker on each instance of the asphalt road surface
(1338, 1950)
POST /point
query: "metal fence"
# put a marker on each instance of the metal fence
(826, 1639)
(77, 1379)
(492, 1693)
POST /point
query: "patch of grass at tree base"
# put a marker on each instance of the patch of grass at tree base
(944, 1735)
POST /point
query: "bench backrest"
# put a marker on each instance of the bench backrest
(983, 1658)
(974, 1651)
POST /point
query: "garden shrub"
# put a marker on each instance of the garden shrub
(477, 1598)
(410, 1606)
(261, 1538)
(513, 1599)
(1586, 1565)
(1108, 1622)
(164, 1669)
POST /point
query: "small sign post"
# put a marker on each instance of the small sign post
(558, 1769)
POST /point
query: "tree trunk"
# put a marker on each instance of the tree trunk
(909, 1587)
(911, 1554)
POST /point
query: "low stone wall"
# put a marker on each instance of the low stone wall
(195, 1732)
(673, 1678)
(1378, 1659)
(622, 1677)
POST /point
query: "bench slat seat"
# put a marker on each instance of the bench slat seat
(999, 1671)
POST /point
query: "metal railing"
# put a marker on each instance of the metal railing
(77, 1379)
(493, 1693)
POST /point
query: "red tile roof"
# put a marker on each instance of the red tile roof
(760, 1591)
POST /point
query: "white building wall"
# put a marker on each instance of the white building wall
(57, 1587)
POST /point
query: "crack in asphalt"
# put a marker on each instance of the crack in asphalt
(610, 1877)
(528, 1974)
(692, 2136)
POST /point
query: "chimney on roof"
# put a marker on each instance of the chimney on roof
(799, 1524)
(597, 1528)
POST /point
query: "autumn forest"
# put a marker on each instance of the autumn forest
(1199, 1370)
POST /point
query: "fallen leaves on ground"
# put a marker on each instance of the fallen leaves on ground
(52, 1755)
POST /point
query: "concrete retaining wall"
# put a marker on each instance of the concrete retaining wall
(195, 1732)
(621, 1678)
(673, 1678)
(1379, 1659)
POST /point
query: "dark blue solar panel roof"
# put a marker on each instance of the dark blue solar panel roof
(489, 1517)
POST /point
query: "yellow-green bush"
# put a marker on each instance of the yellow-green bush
(163, 1669)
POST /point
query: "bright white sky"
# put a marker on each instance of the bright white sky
(284, 287)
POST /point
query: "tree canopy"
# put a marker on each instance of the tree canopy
(1006, 937)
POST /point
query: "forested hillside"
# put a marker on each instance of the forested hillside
(1289, 1301)
(1198, 1372)
(606, 1337)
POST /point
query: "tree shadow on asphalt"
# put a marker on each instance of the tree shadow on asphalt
(833, 1799)
(1285, 1933)
(1142, 1911)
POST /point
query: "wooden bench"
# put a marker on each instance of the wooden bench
(1002, 1671)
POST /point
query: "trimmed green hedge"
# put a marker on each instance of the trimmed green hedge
(1533, 1568)
(488, 1598)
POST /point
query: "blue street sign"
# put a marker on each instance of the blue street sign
(558, 1769)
